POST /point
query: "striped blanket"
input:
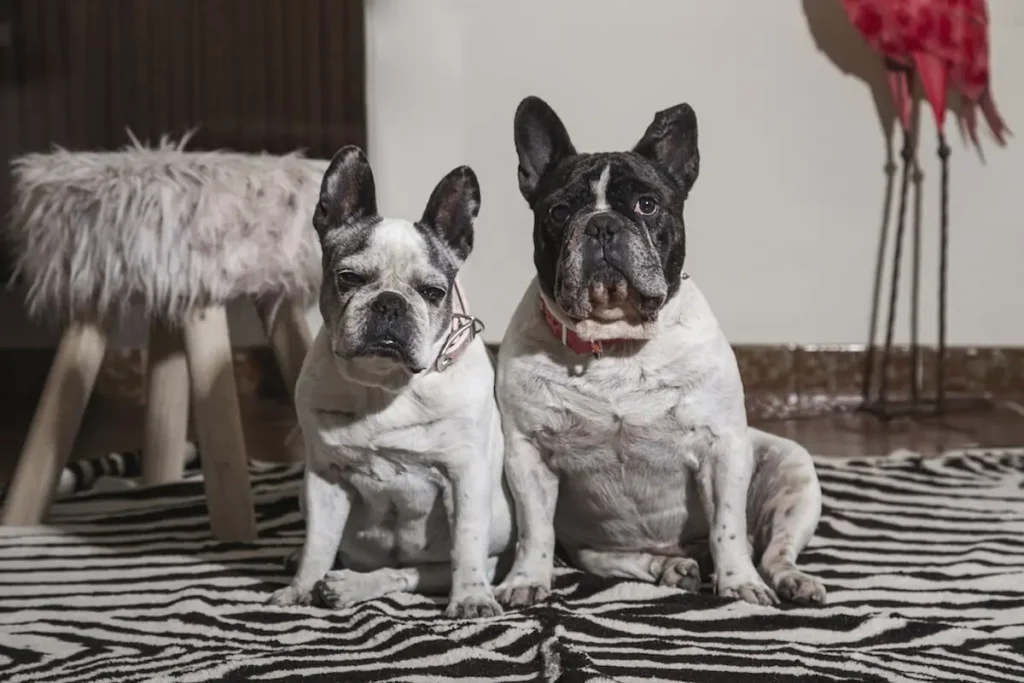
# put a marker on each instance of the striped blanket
(923, 559)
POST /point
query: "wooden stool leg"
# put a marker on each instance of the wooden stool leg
(54, 427)
(163, 452)
(219, 425)
(284, 322)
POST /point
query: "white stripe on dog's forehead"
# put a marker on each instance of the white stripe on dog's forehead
(600, 188)
(397, 236)
(399, 254)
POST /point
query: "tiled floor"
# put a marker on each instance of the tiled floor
(855, 434)
(110, 426)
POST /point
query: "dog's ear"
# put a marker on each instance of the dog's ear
(347, 191)
(541, 142)
(671, 142)
(452, 209)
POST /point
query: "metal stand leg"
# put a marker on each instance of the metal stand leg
(940, 359)
(907, 154)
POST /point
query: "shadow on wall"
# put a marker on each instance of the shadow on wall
(838, 40)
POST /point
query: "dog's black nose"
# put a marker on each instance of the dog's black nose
(388, 304)
(602, 226)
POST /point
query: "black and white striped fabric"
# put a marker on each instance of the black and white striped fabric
(923, 560)
(111, 471)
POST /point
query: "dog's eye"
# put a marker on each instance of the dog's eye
(347, 279)
(646, 206)
(432, 294)
(560, 213)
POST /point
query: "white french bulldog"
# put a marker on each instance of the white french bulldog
(626, 433)
(396, 407)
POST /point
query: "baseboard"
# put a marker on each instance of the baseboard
(792, 372)
(838, 370)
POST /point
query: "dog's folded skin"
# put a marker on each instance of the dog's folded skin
(634, 453)
(403, 479)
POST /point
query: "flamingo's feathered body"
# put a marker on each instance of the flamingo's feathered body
(945, 42)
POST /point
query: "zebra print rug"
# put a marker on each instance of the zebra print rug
(923, 560)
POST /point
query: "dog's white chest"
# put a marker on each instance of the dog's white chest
(384, 482)
(398, 434)
(583, 424)
(619, 439)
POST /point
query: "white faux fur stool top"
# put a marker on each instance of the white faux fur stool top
(173, 230)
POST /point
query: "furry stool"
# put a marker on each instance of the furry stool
(179, 234)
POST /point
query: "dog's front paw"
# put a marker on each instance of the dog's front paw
(682, 573)
(803, 589)
(291, 595)
(344, 587)
(522, 590)
(747, 587)
(473, 606)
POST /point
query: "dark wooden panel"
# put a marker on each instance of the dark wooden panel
(250, 75)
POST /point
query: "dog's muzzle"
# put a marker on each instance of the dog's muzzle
(389, 332)
(606, 264)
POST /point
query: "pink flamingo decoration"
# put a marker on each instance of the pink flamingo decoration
(945, 43)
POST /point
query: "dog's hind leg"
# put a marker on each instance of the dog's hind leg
(677, 571)
(344, 587)
(782, 512)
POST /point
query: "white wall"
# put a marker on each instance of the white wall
(784, 221)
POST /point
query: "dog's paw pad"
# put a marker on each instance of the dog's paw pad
(753, 591)
(803, 589)
(473, 606)
(290, 595)
(522, 594)
(682, 573)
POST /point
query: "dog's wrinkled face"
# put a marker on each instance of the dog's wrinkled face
(387, 290)
(609, 239)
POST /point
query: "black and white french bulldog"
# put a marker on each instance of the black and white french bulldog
(396, 407)
(626, 434)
